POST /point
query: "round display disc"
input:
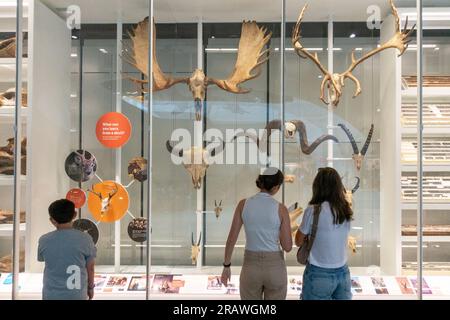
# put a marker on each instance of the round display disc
(87, 226)
(108, 201)
(81, 166)
(77, 196)
(137, 229)
(137, 169)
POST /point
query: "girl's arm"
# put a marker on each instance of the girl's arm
(285, 229)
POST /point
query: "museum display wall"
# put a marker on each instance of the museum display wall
(96, 79)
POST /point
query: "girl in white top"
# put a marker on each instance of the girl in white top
(267, 230)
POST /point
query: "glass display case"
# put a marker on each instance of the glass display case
(120, 144)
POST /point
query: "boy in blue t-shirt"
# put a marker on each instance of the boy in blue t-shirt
(69, 257)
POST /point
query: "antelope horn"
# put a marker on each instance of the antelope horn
(192, 239)
(170, 148)
(220, 203)
(356, 187)
(215, 203)
(350, 137)
(199, 239)
(366, 145)
(306, 148)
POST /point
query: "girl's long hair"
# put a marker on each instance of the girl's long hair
(327, 186)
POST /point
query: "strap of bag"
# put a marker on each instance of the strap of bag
(314, 226)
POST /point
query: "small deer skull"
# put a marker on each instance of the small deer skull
(195, 248)
(218, 208)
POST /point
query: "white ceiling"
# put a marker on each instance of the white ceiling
(107, 11)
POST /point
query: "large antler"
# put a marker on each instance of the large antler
(304, 54)
(139, 58)
(398, 41)
(249, 58)
(304, 145)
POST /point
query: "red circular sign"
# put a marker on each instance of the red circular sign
(113, 130)
(77, 196)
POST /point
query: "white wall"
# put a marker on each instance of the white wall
(49, 135)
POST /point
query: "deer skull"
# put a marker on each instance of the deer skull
(195, 248)
(105, 200)
(218, 208)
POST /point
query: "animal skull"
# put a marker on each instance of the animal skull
(289, 129)
(351, 242)
(294, 213)
(358, 159)
(195, 248)
(218, 208)
(105, 201)
(197, 85)
(8, 98)
(195, 161)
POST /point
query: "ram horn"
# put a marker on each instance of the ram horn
(356, 187)
(218, 149)
(199, 240)
(309, 148)
(369, 138)
(171, 149)
(350, 137)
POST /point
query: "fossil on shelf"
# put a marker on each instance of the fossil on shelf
(428, 230)
(6, 263)
(429, 81)
(7, 157)
(8, 98)
(8, 48)
(7, 216)
(435, 188)
(434, 114)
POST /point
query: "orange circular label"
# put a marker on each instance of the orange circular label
(108, 201)
(77, 196)
(113, 130)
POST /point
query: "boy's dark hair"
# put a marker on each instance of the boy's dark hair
(62, 211)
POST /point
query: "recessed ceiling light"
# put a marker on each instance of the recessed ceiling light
(212, 37)
(436, 49)
(73, 55)
(103, 50)
(74, 37)
(352, 35)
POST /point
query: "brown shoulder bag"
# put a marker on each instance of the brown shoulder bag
(305, 248)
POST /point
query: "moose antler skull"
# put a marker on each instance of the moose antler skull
(196, 160)
(358, 156)
(195, 248)
(250, 57)
(335, 82)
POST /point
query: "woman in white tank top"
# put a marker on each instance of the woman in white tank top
(268, 232)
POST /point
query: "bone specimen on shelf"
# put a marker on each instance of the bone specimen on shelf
(435, 188)
(434, 114)
(335, 82)
(7, 157)
(429, 81)
(294, 213)
(428, 230)
(8, 48)
(195, 160)
(6, 263)
(289, 178)
(218, 208)
(250, 57)
(7, 216)
(435, 150)
(290, 128)
(8, 98)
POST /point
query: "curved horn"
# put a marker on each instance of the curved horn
(306, 148)
(220, 203)
(356, 187)
(218, 149)
(192, 239)
(215, 203)
(366, 145)
(248, 135)
(170, 148)
(199, 240)
(350, 137)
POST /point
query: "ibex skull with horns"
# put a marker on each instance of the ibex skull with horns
(195, 248)
(335, 82)
(349, 193)
(358, 156)
(290, 128)
(250, 57)
(196, 160)
(218, 208)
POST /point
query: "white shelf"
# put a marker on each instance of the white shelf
(428, 92)
(427, 238)
(8, 69)
(6, 230)
(7, 114)
(427, 167)
(433, 131)
(426, 206)
(9, 180)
